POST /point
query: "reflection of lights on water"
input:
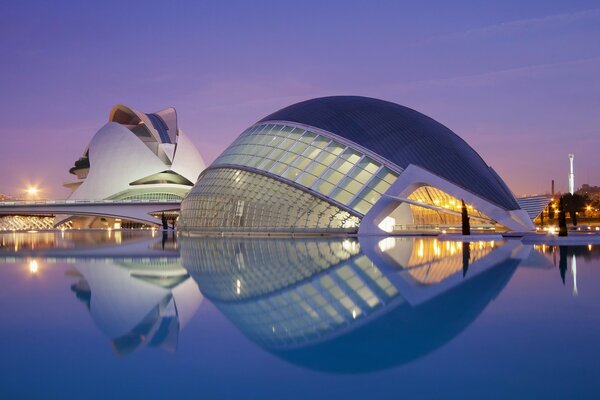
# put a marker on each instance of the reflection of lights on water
(33, 267)
(420, 252)
(387, 244)
(238, 286)
(574, 272)
(349, 245)
(353, 313)
(436, 248)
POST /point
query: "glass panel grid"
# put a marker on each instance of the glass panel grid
(314, 161)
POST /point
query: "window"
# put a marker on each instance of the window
(314, 161)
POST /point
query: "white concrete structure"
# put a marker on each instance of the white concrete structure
(395, 204)
(571, 174)
(136, 156)
(138, 303)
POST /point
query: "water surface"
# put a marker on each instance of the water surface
(142, 315)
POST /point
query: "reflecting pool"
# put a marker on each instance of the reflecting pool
(119, 314)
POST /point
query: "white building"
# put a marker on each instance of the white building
(135, 156)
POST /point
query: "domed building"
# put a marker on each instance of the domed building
(348, 164)
(135, 156)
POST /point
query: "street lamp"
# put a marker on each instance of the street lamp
(32, 192)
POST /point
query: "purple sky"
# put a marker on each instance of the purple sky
(519, 81)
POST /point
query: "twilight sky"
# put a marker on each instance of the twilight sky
(519, 81)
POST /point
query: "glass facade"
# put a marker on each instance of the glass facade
(314, 161)
(230, 199)
(315, 308)
(291, 292)
(288, 292)
(432, 261)
(153, 196)
(435, 197)
(243, 268)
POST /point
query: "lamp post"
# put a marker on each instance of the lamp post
(32, 192)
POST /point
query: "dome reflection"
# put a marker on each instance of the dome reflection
(350, 305)
(140, 299)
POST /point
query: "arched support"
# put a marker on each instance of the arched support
(414, 177)
(138, 212)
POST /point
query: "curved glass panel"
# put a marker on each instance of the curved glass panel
(447, 212)
(153, 196)
(291, 294)
(228, 199)
(314, 161)
(403, 136)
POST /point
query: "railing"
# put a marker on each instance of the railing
(66, 202)
(439, 227)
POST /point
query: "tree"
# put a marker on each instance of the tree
(466, 256)
(562, 219)
(466, 225)
(164, 221)
(575, 203)
(562, 265)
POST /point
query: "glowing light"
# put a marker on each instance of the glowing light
(238, 286)
(32, 190)
(387, 224)
(589, 247)
(349, 245)
(33, 267)
(387, 244)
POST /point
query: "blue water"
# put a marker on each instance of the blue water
(103, 315)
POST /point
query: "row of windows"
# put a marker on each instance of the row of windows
(314, 161)
(433, 261)
(235, 200)
(153, 196)
(242, 268)
(433, 196)
(317, 307)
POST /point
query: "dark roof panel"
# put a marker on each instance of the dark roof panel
(403, 136)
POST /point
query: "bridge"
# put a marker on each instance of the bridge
(133, 210)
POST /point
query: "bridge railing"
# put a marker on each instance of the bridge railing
(63, 202)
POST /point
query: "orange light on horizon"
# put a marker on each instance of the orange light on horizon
(33, 267)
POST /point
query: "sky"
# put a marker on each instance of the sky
(519, 81)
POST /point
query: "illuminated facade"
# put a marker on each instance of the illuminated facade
(135, 156)
(347, 165)
(304, 296)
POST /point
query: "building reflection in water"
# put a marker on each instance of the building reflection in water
(137, 303)
(567, 256)
(143, 297)
(350, 305)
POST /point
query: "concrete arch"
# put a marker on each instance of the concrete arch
(414, 177)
